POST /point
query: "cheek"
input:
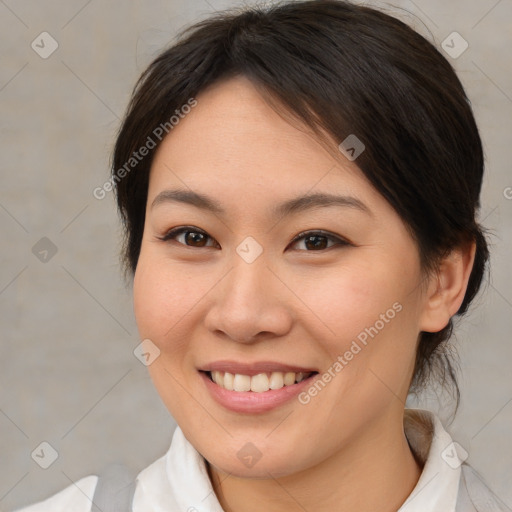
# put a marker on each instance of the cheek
(167, 297)
(371, 315)
(353, 299)
(160, 297)
(164, 297)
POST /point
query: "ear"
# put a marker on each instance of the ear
(447, 288)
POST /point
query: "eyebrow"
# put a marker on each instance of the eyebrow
(289, 207)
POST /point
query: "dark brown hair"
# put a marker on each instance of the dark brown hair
(341, 69)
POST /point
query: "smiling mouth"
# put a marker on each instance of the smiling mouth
(257, 383)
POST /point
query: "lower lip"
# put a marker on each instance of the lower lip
(252, 402)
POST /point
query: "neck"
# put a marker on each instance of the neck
(376, 473)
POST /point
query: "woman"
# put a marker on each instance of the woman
(299, 188)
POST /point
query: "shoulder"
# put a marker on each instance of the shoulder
(77, 497)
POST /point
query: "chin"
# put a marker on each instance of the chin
(243, 459)
(262, 469)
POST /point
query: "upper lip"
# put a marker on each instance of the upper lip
(254, 368)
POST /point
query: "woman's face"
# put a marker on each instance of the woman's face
(241, 293)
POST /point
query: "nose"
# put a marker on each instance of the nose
(250, 303)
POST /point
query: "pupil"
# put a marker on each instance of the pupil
(196, 237)
(317, 244)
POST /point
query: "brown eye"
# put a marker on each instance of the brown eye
(192, 237)
(318, 240)
(315, 241)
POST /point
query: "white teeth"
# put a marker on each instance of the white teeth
(257, 383)
(217, 378)
(276, 380)
(241, 383)
(228, 381)
(289, 378)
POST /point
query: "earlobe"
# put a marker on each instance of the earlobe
(447, 288)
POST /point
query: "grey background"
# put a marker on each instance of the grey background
(68, 375)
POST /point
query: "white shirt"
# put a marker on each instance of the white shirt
(179, 482)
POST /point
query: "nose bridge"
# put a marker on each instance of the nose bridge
(248, 283)
(246, 304)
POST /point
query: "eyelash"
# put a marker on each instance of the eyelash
(184, 229)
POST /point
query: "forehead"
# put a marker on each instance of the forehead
(235, 144)
(233, 124)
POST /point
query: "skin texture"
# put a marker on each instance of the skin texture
(295, 304)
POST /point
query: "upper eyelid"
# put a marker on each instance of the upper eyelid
(183, 229)
(321, 232)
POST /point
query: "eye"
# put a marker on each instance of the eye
(318, 240)
(193, 237)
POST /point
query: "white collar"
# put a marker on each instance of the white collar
(438, 485)
(179, 480)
